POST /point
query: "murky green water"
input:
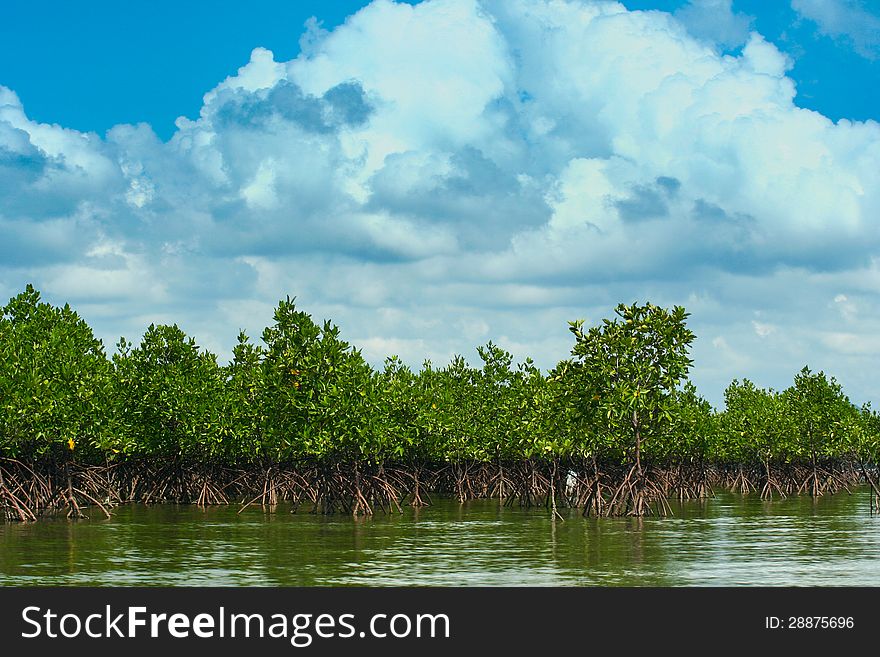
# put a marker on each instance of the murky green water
(727, 540)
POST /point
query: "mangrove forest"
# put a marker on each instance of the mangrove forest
(300, 417)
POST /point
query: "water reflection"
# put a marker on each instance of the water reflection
(727, 540)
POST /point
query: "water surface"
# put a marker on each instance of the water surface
(725, 540)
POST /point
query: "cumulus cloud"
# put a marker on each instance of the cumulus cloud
(716, 21)
(847, 20)
(433, 176)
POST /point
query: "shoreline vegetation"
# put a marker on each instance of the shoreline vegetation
(614, 429)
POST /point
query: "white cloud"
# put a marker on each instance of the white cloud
(848, 308)
(853, 343)
(849, 20)
(435, 175)
(260, 191)
(763, 330)
(261, 72)
(716, 21)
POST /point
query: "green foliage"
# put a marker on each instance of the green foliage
(536, 426)
(244, 416)
(306, 395)
(692, 431)
(321, 397)
(457, 409)
(54, 381)
(810, 422)
(169, 395)
(626, 372)
(754, 426)
(865, 436)
(408, 418)
(822, 418)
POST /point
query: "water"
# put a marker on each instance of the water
(726, 540)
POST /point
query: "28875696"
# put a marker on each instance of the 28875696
(809, 622)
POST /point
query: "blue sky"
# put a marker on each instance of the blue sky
(91, 65)
(434, 175)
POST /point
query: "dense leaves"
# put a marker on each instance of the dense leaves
(169, 396)
(55, 382)
(307, 397)
(627, 371)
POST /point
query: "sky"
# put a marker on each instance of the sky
(438, 174)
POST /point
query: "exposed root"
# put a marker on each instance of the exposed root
(603, 489)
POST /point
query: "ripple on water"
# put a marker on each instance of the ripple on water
(726, 540)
